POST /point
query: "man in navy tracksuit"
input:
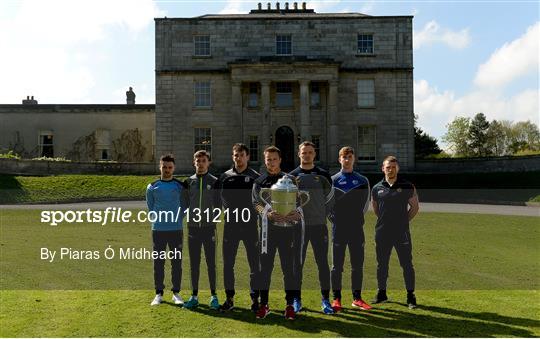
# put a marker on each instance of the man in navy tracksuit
(235, 187)
(395, 204)
(318, 183)
(352, 200)
(278, 235)
(203, 198)
(167, 195)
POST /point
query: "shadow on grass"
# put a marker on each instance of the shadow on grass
(10, 189)
(383, 322)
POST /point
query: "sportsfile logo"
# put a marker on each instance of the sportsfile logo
(119, 215)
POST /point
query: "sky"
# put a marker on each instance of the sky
(469, 56)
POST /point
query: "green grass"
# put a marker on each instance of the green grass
(128, 314)
(477, 276)
(69, 188)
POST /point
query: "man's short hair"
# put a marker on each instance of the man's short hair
(306, 143)
(390, 158)
(272, 149)
(239, 147)
(346, 150)
(167, 157)
(201, 153)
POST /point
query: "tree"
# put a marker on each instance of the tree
(457, 136)
(525, 136)
(478, 136)
(498, 136)
(424, 144)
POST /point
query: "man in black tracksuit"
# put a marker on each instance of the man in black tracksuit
(318, 183)
(280, 235)
(203, 198)
(235, 187)
(395, 204)
(352, 201)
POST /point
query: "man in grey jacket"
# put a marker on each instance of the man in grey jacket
(203, 199)
(318, 183)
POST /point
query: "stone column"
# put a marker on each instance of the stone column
(305, 119)
(236, 109)
(333, 136)
(267, 118)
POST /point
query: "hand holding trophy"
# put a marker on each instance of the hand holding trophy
(283, 196)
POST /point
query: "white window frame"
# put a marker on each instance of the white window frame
(200, 89)
(361, 146)
(284, 39)
(41, 144)
(200, 47)
(204, 145)
(362, 44)
(365, 93)
(253, 151)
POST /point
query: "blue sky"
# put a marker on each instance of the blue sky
(469, 56)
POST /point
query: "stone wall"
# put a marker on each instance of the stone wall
(42, 167)
(492, 164)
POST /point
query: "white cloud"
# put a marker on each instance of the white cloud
(436, 108)
(433, 33)
(321, 6)
(54, 45)
(233, 7)
(511, 61)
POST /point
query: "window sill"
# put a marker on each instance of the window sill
(366, 55)
(201, 57)
(366, 107)
(283, 108)
(202, 108)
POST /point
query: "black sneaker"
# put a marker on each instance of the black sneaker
(227, 305)
(381, 297)
(411, 301)
(254, 306)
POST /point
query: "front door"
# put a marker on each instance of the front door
(285, 142)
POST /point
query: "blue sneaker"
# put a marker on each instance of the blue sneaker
(326, 307)
(297, 304)
(192, 302)
(214, 303)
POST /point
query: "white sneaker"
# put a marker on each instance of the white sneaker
(177, 299)
(157, 300)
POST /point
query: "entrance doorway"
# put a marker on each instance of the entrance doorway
(285, 142)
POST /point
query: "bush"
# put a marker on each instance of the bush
(9, 155)
(60, 159)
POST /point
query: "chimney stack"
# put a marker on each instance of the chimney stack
(303, 6)
(259, 6)
(277, 6)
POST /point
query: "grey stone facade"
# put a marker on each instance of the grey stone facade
(325, 55)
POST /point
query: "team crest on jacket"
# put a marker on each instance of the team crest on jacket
(399, 190)
(208, 187)
(355, 182)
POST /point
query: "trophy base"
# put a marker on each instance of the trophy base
(283, 224)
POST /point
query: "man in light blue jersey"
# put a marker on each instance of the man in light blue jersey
(165, 198)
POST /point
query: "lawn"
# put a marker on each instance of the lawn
(477, 276)
(72, 188)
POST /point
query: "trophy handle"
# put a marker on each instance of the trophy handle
(264, 191)
(303, 202)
